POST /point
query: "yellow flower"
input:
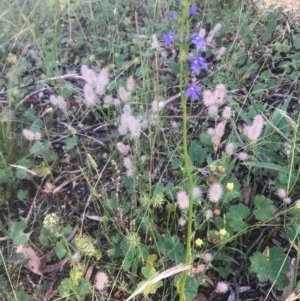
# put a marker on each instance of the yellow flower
(223, 232)
(230, 186)
(199, 242)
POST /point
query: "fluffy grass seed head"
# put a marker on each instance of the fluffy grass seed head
(130, 84)
(208, 213)
(58, 101)
(215, 192)
(123, 94)
(155, 106)
(227, 113)
(182, 200)
(31, 136)
(220, 129)
(129, 124)
(122, 148)
(230, 148)
(221, 287)
(215, 139)
(88, 75)
(220, 52)
(197, 192)
(243, 156)
(90, 96)
(101, 281)
(253, 132)
(135, 127)
(102, 80)
(108, 99)
(281, 192)
(181, 221)
(212, 33)
(287, 200)
(207, 257)
(219, 94)
(129, 166)
(208, 98)
(212, 111)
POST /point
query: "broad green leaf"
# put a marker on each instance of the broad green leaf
(148, 271)
(6, 175)
(297, 41)
(60, 249)
(42, 170)
(265, 210)
(151, 259)
(17, 233)
(273, 268)
(64, 287)
(22, 173)
(235, 217)
(197, 153)
(172, 247)
(260, 266)
(84, 288)
(21, 295)
(191, 288)
(22, 194)
(70, 143)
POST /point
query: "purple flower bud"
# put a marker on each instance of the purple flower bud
(193, 10)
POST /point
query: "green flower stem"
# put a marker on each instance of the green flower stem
(291, 186)
(183, 80)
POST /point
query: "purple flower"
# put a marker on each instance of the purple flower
(171, 15)
(193, 92)
(198, 41)
(168, 38)
(193, 10)
(197, 62)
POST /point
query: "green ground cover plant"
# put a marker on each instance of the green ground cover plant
(149, 151)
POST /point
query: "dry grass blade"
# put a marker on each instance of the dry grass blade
(163, 275)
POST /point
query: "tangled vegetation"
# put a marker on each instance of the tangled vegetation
(149, 151)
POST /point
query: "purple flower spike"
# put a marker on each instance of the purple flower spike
(171, 15)
(193, 10)
(168, 38)
(193, 92)
(198, 41)
(197, 62)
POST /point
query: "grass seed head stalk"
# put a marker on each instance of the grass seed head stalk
(184, 77)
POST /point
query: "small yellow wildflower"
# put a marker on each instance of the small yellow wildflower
(199, 242)
(230, 186)
(223, 232)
